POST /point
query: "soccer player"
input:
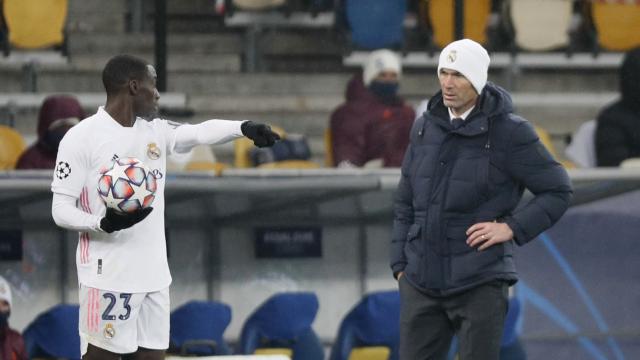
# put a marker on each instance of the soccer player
(121, 258)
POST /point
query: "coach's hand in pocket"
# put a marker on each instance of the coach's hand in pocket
(115, 220)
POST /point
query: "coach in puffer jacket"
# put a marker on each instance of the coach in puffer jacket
(460, 180)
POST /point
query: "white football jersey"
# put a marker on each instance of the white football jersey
(130, 260)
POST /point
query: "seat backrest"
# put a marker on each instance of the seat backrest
(54, 333)
(11, 147)
(373, 322)
(370, 353)
(541, 24)
(328, 148)
(617, 23)
(283, 321)
(196, 322)
(476, 16)
(376, 24)
(35, 23)
(582, 149)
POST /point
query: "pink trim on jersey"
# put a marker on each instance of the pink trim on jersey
(84, 237)
(93, 309)
(96, 312)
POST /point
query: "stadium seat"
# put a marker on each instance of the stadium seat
(34, 24)
(541, 25)
(376, 24)
(290, 164)
(54, 334)
(441, 18)
(545, 138)
(617, 24)
(582, 149)
(328, 148)
(282, 325)
(370, 331)
(197, 328)
(11, 147)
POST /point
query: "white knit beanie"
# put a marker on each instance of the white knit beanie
(5, 290)
(379, 61)
(469, 59)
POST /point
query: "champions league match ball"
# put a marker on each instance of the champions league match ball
(127, 185)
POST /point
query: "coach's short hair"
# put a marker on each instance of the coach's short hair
(120, 69)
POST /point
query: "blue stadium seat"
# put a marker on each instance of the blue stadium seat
(373, 322)
(54, 334)
(197, 328)
(376, 24)
(284, 322)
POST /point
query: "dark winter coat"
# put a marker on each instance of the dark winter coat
(618, 125)
(42, 154)
(12, 345)
(366, 128)
(454, 178)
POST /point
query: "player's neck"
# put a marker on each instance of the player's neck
(120, 111)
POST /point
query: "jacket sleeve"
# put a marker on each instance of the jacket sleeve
(403, 215)
(611, 148)
(532, 165)
(348, 134)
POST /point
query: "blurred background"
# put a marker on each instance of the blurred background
(245, 227)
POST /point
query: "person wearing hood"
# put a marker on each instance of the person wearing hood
(373, 125)
(58, 114)
(455, 218)
(11, 342)
(618, 125)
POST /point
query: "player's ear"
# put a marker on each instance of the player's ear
(133, 86)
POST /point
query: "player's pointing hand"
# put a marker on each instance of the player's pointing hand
(261, 134)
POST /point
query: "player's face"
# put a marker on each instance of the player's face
(146, 102)
(457, 92)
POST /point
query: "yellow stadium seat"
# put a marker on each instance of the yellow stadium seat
(370, 353)
(274, 351)
(328, 148)
(216, 167)
(290, 164)
(11, 147)
(545, 138)
(35, 24)
(476, 15)
(617, 24)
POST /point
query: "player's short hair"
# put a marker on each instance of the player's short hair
(120, 69)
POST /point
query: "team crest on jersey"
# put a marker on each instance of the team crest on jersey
(109, 331)
(153, 151)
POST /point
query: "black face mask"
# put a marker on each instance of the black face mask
(4, 319)
(53, 138)
(385, 90)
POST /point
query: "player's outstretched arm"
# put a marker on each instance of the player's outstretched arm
(213, 132)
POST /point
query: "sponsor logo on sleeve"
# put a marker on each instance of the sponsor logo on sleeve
(63, 170)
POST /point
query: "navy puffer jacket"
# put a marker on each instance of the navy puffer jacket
(454, 178)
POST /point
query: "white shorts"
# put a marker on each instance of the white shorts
(122, 322)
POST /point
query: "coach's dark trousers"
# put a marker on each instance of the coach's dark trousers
(476, 316)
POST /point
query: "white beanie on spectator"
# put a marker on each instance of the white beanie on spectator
(379, 61)
(469, 59)
(5, 291)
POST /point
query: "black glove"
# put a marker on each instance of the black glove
(261, 134)
(115, 220)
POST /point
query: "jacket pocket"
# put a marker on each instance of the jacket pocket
(456, 235)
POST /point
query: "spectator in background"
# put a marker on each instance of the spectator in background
(373, 124)
(11, 342)
(618, 125)
(58, 114)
